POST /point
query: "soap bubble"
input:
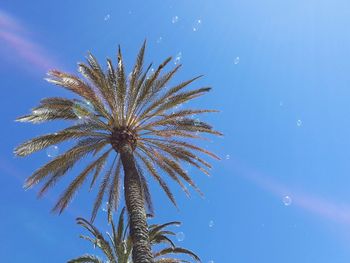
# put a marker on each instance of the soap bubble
(52, 151)
(175, 19)
(159, 40)
(197, 25)
(236, 60)
(82, 109)
(107, 17)
(105, 207)
(287, 200)
(180, 236)
(178, 58)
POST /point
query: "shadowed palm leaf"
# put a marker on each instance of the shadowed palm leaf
(117, 247)
(135, 116)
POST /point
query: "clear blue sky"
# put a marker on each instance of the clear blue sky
(294, 63)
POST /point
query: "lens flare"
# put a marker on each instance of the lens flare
(15, 43)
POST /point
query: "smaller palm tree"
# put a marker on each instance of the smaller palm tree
(118, 247)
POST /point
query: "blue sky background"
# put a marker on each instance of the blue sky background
(293, 65)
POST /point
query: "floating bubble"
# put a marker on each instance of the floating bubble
(52, 151)
(299, 123)
(150, 73)
(175, 19)
(227, 157)
(281, 103)
(287, 200)
(236, 60)
(105, 207)
(179, 106)
(197, 122)
(197, 25)
(82, 109)
(159, 40)
(107, 17)
(178, 58)
(180, 236)
(211, 223)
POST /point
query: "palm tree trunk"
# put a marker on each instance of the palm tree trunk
(135, 204)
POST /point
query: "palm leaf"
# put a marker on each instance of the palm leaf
(77, 182)
(86, 259)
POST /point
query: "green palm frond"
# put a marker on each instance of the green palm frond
(118, 246)
(86, 259)
(176, 250)
(98, 240)
(114, 110)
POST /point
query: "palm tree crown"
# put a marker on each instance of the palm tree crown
(115, 110)
(118, 246)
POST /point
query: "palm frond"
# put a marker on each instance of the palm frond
(99, 240)
(121, 87)
(61, 164)
(86, 259)
(177, 250)
(102, 191)
(158, 160)
(151, 169)
(45, 141)
(77, 182)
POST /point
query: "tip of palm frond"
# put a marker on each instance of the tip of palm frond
(218, 133)
(57, 210)
(165, 62)
(52, 80)
(206, 89)
(54, 73)
(18, 152)
(24, 118)
(187, 193)
(201, 194)
(81, 221)
(59, 207)
(29, 183)
(119, 53)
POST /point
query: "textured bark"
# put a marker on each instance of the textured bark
(135, 204)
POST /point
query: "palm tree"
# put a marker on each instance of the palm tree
(118, 246)
(136, 117)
